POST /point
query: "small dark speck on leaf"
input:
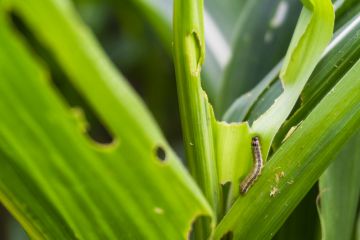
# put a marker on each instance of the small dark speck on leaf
(160, 153)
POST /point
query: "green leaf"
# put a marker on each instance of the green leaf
(297, 164)
(340, 192)
(339, 56)
(263, 32)
(231, 148)
(312, 34)
(57, 182)
(342, 54)
(305, 51)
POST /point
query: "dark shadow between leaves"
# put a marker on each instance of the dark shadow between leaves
(198, 226)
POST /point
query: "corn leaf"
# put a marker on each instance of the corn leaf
(54, 179)
(297, 164)
(340, 192)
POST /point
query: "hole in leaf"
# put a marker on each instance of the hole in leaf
(228, 236)
(198, 226)
(198, 51)
(160, 153)
(90, 122)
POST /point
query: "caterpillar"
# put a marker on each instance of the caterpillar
(258, 165)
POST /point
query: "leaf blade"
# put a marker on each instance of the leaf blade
(323, 132)
(304, 52)
(70, 171)
(339, 193)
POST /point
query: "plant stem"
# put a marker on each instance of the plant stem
(189, 53)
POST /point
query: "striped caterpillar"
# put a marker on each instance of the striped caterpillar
(258, 165)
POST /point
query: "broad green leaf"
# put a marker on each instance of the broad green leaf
(231, 143)
(297, 164)
(305, 51)
(342, 54)
(53, 178)
(339, 189)
(312, 34)
(337, 59)
(263, 33)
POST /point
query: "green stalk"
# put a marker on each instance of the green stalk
(189, 53)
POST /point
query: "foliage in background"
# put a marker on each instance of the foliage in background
(338, 64)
